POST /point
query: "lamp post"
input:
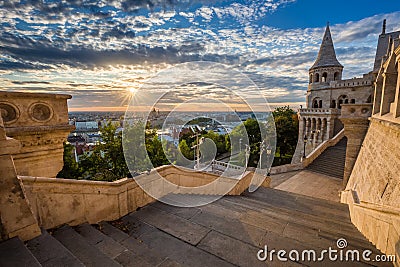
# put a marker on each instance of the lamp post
(240, 145)
(247, 150)
(197, 147)
(304, 146)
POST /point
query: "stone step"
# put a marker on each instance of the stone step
(321, 171)
(88, 254)
(14, 253)
(50, 252)
(279, 221)
(332, 161)
(301, 203)
(187, 231)
(166, 245)
(105, 244)
(228, 223)
(140, 252)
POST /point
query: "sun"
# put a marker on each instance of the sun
(133, 90)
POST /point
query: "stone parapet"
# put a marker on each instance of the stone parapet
(16, 218)
(65, 201)
(40, 122)
(375, 182)
(355, 121)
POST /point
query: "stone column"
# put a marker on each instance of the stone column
(318, 132)
(355, 120)
(16, 215)
(308, 124)
(397, 97)
(323, 130)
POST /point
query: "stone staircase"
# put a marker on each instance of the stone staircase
(331, 162)
(228, 232)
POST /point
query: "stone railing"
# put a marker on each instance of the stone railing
(380, 224)
(286, 168)
(321, 148)
(65, 201)
(315, 111)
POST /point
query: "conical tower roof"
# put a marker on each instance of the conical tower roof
(326, 55)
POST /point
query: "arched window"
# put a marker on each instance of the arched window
(336, 76)
(352, 101)
(343, 99)
(317, 103)
(316, 79)
(324, 76)
(333, 104)
(311, 78)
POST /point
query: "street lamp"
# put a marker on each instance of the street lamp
(240, 145)
(304, 146)
(247, 150)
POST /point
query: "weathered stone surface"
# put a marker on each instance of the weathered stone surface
(40, 123)
(16, 217)
(14, 253)
(86, 253)
(50, 252)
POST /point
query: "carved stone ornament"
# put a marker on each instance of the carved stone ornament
(9, 112)
(41, 112)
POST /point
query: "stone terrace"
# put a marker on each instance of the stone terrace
(228, 232)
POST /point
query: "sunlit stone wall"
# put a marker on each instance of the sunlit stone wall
(40, 122)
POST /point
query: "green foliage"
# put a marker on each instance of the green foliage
(106, 162)
(251, 128)
(287, 129)
(71, 168)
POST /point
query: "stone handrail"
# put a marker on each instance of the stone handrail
(66, 201)
(286, 168)
(321, 148)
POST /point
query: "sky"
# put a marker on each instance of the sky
(103, 52)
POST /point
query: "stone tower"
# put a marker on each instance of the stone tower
(325, 69)
(327, 92)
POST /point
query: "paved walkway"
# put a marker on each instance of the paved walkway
(309, 183)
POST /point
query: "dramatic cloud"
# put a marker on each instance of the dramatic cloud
(98, 50)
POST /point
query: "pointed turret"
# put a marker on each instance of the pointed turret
(326, 55)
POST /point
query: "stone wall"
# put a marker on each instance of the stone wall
(64, 201)
(373, 190)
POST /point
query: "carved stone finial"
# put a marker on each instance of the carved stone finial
(384, 26)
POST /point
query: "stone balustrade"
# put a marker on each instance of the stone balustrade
(319, 111)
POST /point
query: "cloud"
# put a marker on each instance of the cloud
(85, 45)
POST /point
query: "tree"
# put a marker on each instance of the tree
(71, 168)
(287, 129)
(251, 129)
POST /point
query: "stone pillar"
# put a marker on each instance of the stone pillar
(40, 123)
(318, 132)
(323, 130)
(16, 216)
(397, 97)
(355, 120)
(388, 91)
(308, 124)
